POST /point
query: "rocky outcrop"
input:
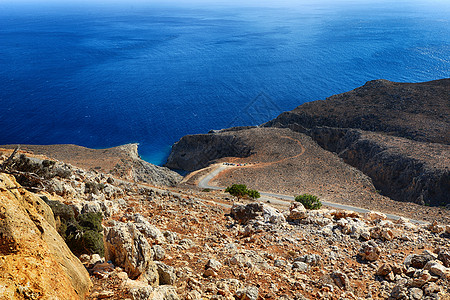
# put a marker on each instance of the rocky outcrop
(35, 262)
(128, 248)
(253, 252)
(193, 152)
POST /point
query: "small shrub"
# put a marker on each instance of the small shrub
(237, 190)
(60, 210)
(207, 190)
(254, 194)
(92, 242)
(309, 201)
(240, 191)
(85, 236)
(91, 221)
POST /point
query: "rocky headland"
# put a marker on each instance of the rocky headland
(122, 161)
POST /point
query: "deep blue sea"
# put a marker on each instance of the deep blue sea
(106, 74)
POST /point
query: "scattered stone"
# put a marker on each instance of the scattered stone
(210, 273)
(139, 290)
(341, 280)
(158, 252)
(384, 270)
(186, 244)
(105, 294)
(164, 292)
(171, 237)
(166, 274)
(249, 293)
(300, 266)
(436, 268)
(420, 278)
(399, 292)
(369, 251)
(297, 212)
(445, 258)
(214, 265)
(279, 263)
(436, 228)
(373, 216)
(272, 215)
(310, 259)
(418, 261)
(431, 288)
(415, 293)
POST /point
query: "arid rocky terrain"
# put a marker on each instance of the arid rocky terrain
(79, 223)
(417, 111)
(122, 161)
(188, 244)
(395, 133)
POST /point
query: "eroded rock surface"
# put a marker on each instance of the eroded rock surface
(35, 262)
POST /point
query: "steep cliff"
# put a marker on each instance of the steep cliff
(193, 152)
(402, 169)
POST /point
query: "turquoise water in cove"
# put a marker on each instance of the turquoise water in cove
(106, 74)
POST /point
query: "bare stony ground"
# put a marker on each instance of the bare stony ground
(188, 244)
(290, 163)
(317, 256)
(122, 161)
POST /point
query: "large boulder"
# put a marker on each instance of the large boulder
(128, 248)
(297, 212)
(244, 213)
(34, 259)
(151, 232)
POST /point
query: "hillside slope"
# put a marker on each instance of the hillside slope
(122, 161)
(417, 111)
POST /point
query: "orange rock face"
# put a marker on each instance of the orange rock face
(35, 262)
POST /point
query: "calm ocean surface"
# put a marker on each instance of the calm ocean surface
(102, 75)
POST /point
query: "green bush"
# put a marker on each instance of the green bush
(240, 190)
(91, 221)
(309, 201)
(254, 194)
(83, 235)
(237, 190)
(60, 210)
